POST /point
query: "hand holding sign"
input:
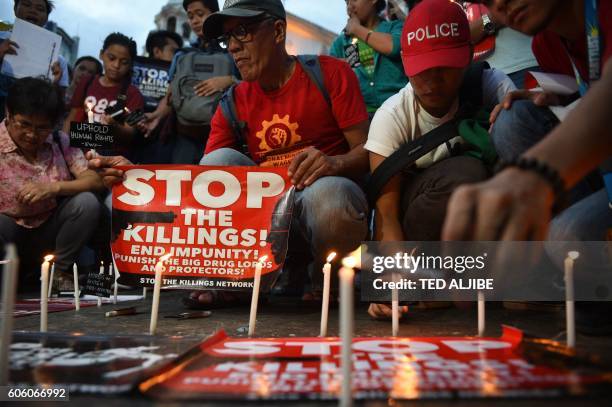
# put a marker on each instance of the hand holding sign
(8, 47)
(104, 166)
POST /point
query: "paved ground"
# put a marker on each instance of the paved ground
(284, 317)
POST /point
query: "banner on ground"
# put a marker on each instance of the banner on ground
(97, 364)
(215, 222)
(398, 368)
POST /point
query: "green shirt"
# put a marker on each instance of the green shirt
(386, 77)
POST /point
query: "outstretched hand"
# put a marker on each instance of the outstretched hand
(104, 166)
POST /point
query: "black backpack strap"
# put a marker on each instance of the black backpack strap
(470, 100)
(470, 93)
(407, 155)
(239, 128)
(312, 66)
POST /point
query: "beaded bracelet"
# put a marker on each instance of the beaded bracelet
(543, 170)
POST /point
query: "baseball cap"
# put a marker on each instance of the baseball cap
(213, 25)
(436, 34)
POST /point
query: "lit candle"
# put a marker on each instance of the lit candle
(326, 284)
(255, 295)
(44, 289)
(570, 319)
(481, 313)
(90, 113)
(101, 272)
(51, 280)
(159, 270)
(9, 287)
(77, 291)
(346, 275)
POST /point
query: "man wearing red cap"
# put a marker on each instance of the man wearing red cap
(436, 52)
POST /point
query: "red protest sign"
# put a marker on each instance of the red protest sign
(216, 222)
(383, 368)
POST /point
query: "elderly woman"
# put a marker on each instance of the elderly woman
(371, 45)
(46, 203)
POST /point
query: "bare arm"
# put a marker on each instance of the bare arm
(381, 42)
(388, 227)
(516, 204)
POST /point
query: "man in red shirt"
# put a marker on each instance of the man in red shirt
(290, 123)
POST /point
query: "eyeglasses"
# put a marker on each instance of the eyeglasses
(242, 33)
(29, 128)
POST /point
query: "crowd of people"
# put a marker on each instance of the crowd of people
(508, 168)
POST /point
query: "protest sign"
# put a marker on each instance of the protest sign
(384, 368)
(100, 285)
(97, 364)
(91, 135)
(150, 76)
(215, 222)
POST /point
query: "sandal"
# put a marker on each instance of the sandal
(219, 299)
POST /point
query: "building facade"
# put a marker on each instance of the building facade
(70, 45)
(303, 36)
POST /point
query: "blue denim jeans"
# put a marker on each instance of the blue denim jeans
(331, 214)
(521, 127)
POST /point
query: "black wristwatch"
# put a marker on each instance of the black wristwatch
(487, 25)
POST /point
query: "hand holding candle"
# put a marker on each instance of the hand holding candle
(326, 287)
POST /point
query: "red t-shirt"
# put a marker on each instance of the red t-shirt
(102, 97)
(282, 123)
(550, 52)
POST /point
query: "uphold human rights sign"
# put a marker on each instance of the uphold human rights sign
(216, 222)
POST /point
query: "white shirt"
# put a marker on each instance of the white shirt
(402, 119)
(512, 52)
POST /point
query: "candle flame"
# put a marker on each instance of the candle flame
(353, 260)
(90, 106)
(165, 257)
(127, 110)
(48, 257)
(331, 256)
(262, 259)
(349, 262)
(573, 255)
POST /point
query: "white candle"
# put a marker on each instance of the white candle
(159, 270)
(101, 272)
(51, 280)
(90, 113)
(346, 275)
(44, 288)
(255, 295)
(9, 286)
(77, 291)
(394, 312)
(115, 286)
(570, 319)
(144, 293)
(326, 284)
(481, 313)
